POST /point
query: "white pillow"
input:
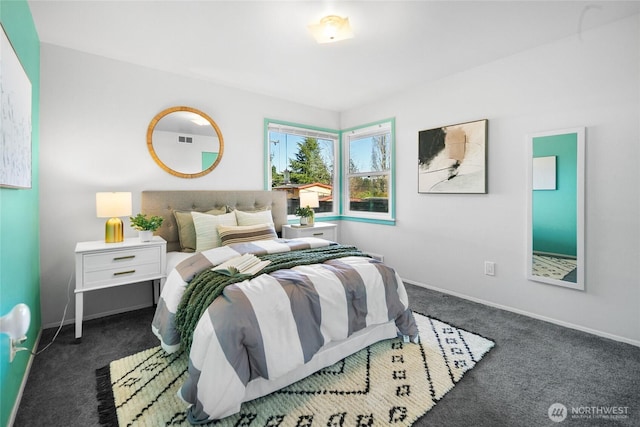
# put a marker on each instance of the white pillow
(207, 229)
(253, 218)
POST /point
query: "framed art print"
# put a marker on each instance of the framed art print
(453, 159)
(15, 117)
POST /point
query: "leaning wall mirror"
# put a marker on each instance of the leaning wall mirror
(185, 142)
(556, 208)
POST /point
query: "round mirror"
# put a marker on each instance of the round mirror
(185, 142)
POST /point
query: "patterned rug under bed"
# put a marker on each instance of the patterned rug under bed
(390, 382)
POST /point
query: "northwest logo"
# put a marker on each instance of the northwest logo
(557, 412)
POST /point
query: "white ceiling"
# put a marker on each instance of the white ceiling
(265, 47)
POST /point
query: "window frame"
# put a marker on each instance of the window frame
(306, 131)
(358, 132)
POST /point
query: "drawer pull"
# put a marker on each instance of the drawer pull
(121, 258)
(318, 234)
(120, 273)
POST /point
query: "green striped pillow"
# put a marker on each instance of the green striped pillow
(206, 229)
(246, 233)
(187, 229)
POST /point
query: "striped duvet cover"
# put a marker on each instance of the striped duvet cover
(272, 324)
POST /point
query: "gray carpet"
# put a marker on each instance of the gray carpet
(533, 365)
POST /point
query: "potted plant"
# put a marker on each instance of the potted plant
(305, 214)
(146, 226)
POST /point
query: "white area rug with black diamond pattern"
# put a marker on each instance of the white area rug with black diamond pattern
(388, 383)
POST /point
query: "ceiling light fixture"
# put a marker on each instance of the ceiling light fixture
(331, 29)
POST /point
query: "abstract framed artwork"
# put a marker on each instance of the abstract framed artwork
(453, 159)
(15, 117)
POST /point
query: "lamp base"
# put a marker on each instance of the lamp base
(114, 232)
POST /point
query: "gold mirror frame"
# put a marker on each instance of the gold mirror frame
(160, 163)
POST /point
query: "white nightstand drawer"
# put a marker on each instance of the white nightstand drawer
(121, 259)
(321, 230)
(123, 273)
(321, 233)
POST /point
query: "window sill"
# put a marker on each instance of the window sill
(368, 220)
(391, 222)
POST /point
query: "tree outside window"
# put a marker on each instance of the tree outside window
(302, 159)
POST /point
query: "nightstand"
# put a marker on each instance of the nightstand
(323, 230)
(101, 265)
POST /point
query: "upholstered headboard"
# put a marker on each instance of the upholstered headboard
(164, 203)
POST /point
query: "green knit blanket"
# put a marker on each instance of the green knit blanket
(207, 285)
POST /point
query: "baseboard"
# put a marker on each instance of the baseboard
(98, 315)
(528, 314)
(23, 384)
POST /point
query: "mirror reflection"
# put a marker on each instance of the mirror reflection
(556, 208)
(185, 142)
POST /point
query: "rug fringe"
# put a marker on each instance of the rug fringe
(107, 414)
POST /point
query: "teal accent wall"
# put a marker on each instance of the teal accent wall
(554, 215)
(19, 217)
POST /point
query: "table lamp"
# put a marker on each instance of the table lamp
(309, 199)
(112, 206)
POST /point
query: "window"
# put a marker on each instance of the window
(368, 171)
(302, 161)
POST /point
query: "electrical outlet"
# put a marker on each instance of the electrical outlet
(490, 268)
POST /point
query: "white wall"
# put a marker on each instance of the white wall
(94, 117)
(443, 240)
(95, 112)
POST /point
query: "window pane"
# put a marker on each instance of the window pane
(303, 163)
(369, 193)
(371, 153)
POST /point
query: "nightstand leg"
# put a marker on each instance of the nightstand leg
(156, 291)
(158, 284)
(79, 302)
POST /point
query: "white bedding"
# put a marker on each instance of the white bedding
(175, 258)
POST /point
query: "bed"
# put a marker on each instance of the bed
(314, 303)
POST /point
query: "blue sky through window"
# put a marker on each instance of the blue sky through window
(360, 153)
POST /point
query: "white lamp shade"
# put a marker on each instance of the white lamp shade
(309, 198)
(16, 322)
(111, 205)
